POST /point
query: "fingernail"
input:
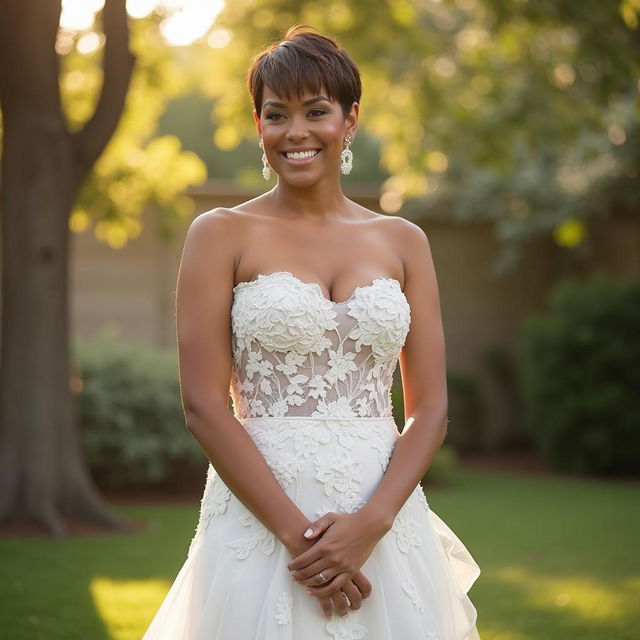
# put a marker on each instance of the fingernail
(309, 591)
(308, 532)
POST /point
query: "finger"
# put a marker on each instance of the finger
(306, 558)
(340, 602)
(360, 580)
(330, 587)
(310, 573)
(320, 525)
(316, 579)
(327, 606)
(353, 593)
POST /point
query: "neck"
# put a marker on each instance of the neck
(321, 201)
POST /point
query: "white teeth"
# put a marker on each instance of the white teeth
(299, 155)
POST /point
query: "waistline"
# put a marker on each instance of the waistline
(357, 419)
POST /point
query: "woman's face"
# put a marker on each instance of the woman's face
(303, 137)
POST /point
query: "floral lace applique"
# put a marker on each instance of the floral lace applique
(345, 628)
(382, 321)
(408, 533)
(214, 501)
(284, 606)
(259, 537)
(215, 497)
(419, 491)
(341, 476)
(287, 445)
(295, 320)
(295, 353)
(412, 593)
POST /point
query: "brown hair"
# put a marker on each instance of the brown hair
(305, 59)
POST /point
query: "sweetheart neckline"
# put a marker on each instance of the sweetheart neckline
(317, 286)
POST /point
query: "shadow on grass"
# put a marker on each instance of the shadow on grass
(98, 587)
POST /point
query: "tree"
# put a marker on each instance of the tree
(47, 160)
(512, 112)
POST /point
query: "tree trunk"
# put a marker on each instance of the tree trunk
(43, 476)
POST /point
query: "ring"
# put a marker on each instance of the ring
(322, 577)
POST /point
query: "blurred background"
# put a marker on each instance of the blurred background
(507, 129)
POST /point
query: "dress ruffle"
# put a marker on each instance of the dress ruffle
(465, 571)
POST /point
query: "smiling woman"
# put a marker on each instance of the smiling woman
(300, 303)
(316, 106)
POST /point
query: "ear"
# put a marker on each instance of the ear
(256, 118)
(352, 120)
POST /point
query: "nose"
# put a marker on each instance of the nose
(297, 128)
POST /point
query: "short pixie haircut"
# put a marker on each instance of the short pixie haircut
(305, 59)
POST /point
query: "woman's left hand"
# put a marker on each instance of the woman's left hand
(346, 543)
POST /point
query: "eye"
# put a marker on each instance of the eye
(273, 116)
(317, 112)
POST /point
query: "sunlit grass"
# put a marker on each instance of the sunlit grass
(557, 557)
(122, 604)
(586, 598)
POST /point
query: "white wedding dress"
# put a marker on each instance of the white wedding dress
(311, 383)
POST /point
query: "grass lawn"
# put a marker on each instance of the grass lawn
(558, 556)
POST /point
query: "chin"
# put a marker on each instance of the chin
(301, 181)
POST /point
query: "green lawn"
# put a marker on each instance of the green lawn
(559, 561)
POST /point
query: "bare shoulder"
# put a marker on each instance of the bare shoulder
(217, 229)
(395, 225)
(407, 232)
(412, 245)
(214, 220)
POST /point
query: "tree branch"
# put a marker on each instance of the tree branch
(118, 63)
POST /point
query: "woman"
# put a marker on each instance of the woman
(300, 302)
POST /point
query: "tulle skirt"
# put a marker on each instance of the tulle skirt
(235, 584)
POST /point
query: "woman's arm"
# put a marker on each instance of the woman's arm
(349, 539)
(424, 383)
(203, 326)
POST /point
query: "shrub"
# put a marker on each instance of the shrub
(581, 376)
(444, 464)
(466, 416)
(132, 424)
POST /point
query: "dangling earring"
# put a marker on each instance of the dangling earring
(266, 169)
(346, 155)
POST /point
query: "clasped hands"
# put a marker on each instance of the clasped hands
(340, 545)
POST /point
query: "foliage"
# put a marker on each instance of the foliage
(137, 167)
(466, 420)
(517, 112)
(581, 376)
(444, 463)
(131, 417)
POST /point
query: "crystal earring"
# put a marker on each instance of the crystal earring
(266, 169)
(346, 156)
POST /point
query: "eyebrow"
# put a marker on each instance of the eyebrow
(273, 103)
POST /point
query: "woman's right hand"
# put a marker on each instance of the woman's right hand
(356, 589)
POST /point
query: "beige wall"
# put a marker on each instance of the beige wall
(133, 289)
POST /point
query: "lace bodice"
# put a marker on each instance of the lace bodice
(296, 353)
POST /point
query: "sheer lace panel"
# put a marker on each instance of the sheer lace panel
(296, 353)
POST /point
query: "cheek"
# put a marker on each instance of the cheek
(332, 135)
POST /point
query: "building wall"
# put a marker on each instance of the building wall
(133, 290)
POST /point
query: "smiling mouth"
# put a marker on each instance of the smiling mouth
(301, 155)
